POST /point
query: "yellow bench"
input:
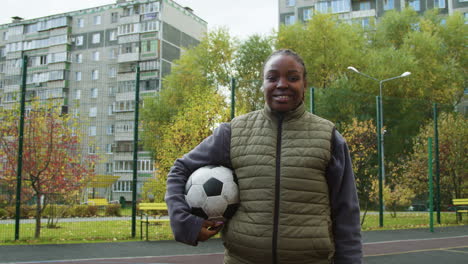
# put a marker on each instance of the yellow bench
(151, 214)
(98, 201)
(461, 206)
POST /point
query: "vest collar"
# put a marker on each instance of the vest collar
(293, 114)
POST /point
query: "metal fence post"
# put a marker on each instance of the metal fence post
(431, 187)
(135, 150)
(437, 164)
(20, 147)
(379, 152)
(233, 97)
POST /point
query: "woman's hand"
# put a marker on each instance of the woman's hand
(209, 229)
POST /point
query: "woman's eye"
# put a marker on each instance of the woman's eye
(294, 78)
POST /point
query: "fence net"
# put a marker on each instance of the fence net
(77, 177)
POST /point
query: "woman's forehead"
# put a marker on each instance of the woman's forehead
(283, 61)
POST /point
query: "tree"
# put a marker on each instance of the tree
(327, 45)
(202, 113)
(190, 105)
(453, 146)
(206, 68)
(361, 140)
(250, 57)
(52, 163)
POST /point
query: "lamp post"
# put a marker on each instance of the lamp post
(380, 135)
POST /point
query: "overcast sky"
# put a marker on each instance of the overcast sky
(242, 17)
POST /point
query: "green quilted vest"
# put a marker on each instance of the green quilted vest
(284, 215)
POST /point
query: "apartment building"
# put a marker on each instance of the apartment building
(86, 60)
(360, 11)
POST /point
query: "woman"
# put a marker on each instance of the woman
(297, 190)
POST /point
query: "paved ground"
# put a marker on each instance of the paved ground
(416, 246)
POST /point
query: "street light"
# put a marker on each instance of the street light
(380, 135)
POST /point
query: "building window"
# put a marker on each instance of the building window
(113, 53)
(322, 7)
(307, 14)
(79, 40)
(114, 17)
(124, 106)
(94, 92)
(112, 72)
(92, 131)
(96, 56)
(110, 129)
(109, 168)
(109, 148)
(79, 58)
(289, 19)
(364, 5)
(440, 3)
(80, 22)
(365, 22)
(78, 76)
(93, 111)
(110, 110)
(97, 20)
(389, 4)
(415, 4)
(96, 38)
(466, 22)
(113, 35)
(94, 75)
(78, 94)
(290, 2)
(92, 149)
(340, 6)
(122, 186)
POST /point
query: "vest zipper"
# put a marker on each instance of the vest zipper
(277, 190)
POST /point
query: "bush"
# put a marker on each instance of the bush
(26, 211)
(57, 211)
(92, 210)
(113, 210)
(3, 213)
(79, 211)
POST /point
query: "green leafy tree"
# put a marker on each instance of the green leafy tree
(453, 146)
(190, 105)
(361, 140)
(327, 45)
(250, 57)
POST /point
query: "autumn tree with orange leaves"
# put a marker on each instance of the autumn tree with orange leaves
(53, 165)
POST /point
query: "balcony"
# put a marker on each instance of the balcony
(127, 57)
(129, 19)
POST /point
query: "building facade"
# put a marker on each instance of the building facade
(361, 11)
(86, 60)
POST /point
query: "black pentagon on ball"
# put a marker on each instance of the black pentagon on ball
(213, 187)
(199, 212)
(230, 211)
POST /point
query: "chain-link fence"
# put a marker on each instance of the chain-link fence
(73, 140)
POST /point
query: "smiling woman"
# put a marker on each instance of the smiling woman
(294, 173)
(284, 81)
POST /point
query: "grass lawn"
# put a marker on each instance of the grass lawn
(120, 230)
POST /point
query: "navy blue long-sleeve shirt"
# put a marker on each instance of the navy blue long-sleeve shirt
(215, 149)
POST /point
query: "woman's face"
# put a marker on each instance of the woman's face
(283, 83)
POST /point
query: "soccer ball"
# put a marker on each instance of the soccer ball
(212, 193)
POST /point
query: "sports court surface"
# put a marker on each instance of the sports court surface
(447, 245)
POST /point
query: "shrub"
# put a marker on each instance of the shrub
(113, 210)
(92, 210)
(79, 211)
(3, 213)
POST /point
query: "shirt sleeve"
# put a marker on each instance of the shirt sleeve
(344, 204)
(214, 150)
